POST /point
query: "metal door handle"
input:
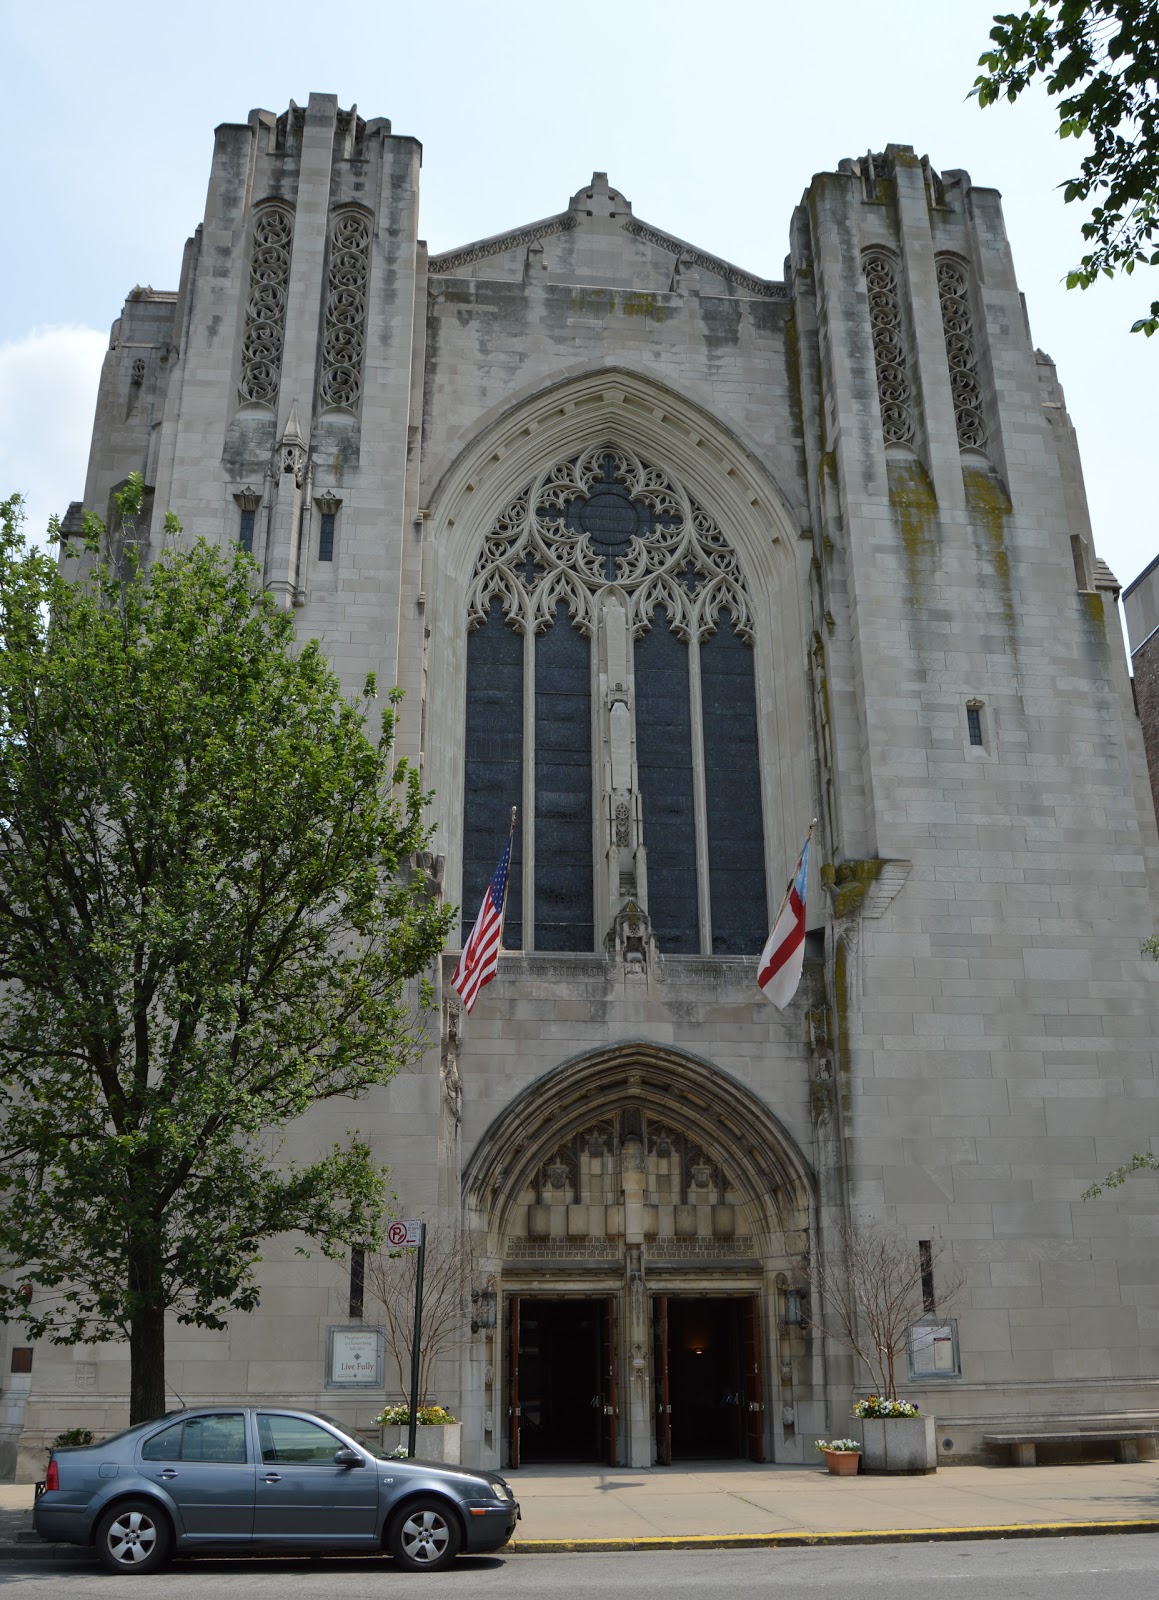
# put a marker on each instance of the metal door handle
(272, 1477)
(167, 1472)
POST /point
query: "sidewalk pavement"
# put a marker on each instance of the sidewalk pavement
(576, 1508)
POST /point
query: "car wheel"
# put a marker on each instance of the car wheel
(424, 1536)
(134, 1537)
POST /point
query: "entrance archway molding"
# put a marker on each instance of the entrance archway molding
(727, 1117)
(693, 1097)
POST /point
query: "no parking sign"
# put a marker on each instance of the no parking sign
(403, 1233)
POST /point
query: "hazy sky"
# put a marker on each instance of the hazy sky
(710, 118)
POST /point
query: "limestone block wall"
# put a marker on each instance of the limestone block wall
(998, 1020)
(1141, 609)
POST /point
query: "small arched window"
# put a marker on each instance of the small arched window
(611, 696)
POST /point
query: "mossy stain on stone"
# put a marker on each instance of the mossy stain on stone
(990, 511)
(915, 514)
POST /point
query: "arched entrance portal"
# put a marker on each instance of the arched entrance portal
(640, 1214)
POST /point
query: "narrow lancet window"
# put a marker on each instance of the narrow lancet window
(736, 851)
(494, 767)
(563, 788)
(664, 759)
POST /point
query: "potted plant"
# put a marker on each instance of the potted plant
(895, 1436)
(842, 1456)
(439, 1436)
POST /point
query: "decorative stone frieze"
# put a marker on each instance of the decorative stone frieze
(265, 322)
(894, 390)
(961, 354)
(344, 333)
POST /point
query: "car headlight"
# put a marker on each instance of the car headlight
(503, 1491)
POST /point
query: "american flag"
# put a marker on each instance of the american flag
(480, 958)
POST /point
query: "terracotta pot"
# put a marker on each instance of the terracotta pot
(842, 1463)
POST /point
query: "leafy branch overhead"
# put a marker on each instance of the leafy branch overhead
(207, 927)
(1101, 58)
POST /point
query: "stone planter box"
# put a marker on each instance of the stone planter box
(898, 1444)
(443, 1442)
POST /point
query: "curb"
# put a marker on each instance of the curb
(800, 1539)
(804, 1538)
(35, 1550)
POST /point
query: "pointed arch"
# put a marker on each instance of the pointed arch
(737, 1132)
(722, 475)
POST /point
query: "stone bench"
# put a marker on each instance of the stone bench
(1131, 1444)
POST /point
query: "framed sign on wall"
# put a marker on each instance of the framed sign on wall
(354, 1358)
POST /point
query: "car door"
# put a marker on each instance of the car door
(302, 1495)
(203, 1465)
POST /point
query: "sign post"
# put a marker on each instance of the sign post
(400, 1235)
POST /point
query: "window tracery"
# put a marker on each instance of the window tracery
(957, 324)
(894, 390)
(265, 324)
(607, 701)
(343, 336)
(604, 518)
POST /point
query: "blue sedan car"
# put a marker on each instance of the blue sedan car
(253, 1479)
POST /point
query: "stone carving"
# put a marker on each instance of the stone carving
(954, 294)
(265, 319)
(893, 383)
(631, 939)
(453, 260)
(137, 374)
(603, 518)
(292, 452)
(623, 833)
(452, 1085)
(758, 287)
(343, 335)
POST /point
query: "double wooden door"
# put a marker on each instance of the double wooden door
(721, 1413)
(593, 1374)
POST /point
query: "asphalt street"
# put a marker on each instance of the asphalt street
(1016, 1569)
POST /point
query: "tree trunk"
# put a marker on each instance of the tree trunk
(146, 1364)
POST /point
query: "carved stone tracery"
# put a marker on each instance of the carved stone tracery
(343, 336)
(265, 324)
(961, 354)
(606, 518)
(894, 391)
(587, 1170)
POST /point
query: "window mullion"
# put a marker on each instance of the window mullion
(699, 799)
(528, 818)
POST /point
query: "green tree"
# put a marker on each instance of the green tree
(1101, 57)
(207, 926)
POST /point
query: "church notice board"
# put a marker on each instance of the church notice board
(354, 1358)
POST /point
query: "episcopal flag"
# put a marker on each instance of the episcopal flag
(779, 969)
(480, 958)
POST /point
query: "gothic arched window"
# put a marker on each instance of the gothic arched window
(611, 697)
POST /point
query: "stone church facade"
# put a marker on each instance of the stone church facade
(673, 559)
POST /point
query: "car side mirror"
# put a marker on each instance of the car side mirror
(347, 1458)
